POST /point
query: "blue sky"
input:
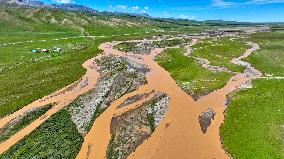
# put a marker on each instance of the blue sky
(238, 10)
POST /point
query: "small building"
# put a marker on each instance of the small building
(45, 50)
(57, 49)
(35, 51)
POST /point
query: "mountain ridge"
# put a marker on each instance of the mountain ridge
(68, 7)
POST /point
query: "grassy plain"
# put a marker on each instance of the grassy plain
(253, 127)
(31, 79)
(270, 59)
(26, 120)
(192, 77)
(220, 52)
(56, 138)
(171, 43)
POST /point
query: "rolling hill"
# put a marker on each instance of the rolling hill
(20, 16)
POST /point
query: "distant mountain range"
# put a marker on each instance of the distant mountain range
(23, 2)
(36, 16)
(74, 7)
(33, 16)
(69, 7)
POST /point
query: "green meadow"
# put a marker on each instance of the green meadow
(253, 127)
(192, 77)
(221, 51)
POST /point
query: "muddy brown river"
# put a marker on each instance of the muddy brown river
(179, 134)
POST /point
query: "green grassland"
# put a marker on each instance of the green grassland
(220, 52)
(171, 43)
(126, 46)
(22, 36)
(26, 120)
(192, 77)
(22, 52)
(23, 19)
(133, 46)
(271, 56)
(253, 126)
(31, 80)
(55, 138)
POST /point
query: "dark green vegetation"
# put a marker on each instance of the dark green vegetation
(26, 120)
(146, 47)
(254, 119)
(151, 121)
(127, 46)
(254, 122)
(33, 79)
(278, 27)
(21, 53)
(271, 56)
(220, 52)
(55, 138)
(192, 77)
(171, 43)
(111, 153)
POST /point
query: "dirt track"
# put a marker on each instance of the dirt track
(178, 136)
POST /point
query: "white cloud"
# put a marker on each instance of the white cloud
(110, 8)
(135, 8)
(223, 3)
(122, 7)
(183, 16)
(186, 17)
(125, 8)
(143, 11)
(189, 8)
(62, 1)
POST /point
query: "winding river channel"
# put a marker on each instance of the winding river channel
(178, 135)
